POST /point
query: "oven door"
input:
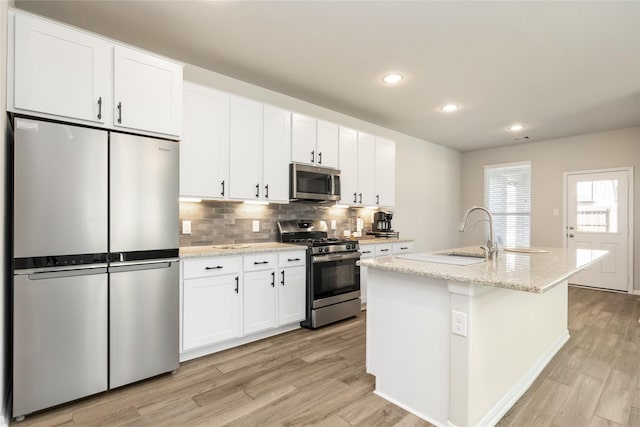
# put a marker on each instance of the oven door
(335, 278)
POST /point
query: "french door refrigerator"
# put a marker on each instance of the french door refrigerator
(95, 292)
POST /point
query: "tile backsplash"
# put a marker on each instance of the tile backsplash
(220, 223)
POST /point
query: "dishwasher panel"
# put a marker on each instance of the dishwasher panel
(144, 321)
(59, 337)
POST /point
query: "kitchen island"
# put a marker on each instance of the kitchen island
(458, 345)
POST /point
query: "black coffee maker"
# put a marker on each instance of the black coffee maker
(382, 221)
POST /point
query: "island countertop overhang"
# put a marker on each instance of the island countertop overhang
(528, 272)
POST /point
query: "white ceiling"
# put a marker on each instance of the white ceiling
(560, 68)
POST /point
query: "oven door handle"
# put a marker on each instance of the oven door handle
(337, 257)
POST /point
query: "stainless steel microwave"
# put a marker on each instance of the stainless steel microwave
(313, 183)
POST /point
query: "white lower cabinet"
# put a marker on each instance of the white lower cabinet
(402, 247)
(232, 300)
(211, 303)
(375, 251)
(366, 251)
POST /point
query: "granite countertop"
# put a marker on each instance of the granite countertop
(375, 240)
(236, 249)
(530, 272)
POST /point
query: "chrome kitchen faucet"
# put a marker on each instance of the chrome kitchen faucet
(491, 249)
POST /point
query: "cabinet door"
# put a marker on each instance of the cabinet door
(204, 160)
(59, 70)
(259, 301)
(211, 310)
(385, 172)
(245, 149)
(348, 156)
(303, 139)
(276, 154)
(366, 174)
(292, 293)
(147, 92)
(328, 137)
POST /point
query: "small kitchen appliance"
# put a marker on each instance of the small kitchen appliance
(381, 226)
(333, 278)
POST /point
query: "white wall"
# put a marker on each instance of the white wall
(549, 160)
(427, 175)
(4, 312)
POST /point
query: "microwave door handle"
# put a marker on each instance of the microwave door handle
(332, 185)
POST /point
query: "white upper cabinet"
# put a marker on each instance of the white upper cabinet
(276, 149)
(327, 144)
(204, 149)
(385, 172)
(348, 155)
(59, 71)
(245, 149)
(147, 92)
(366, 171)
(314, 142)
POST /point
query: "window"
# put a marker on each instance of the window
(507, 194)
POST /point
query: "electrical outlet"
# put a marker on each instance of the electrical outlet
(459, 323)
(333, 224)
(556, 212)
(186, 227)
(256, 226)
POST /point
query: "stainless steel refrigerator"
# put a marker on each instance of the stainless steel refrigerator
(96, 282)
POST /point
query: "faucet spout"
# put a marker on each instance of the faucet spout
(492, 246)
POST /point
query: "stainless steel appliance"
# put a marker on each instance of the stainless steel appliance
(95, 292)
(381, 226)
(313, 183)
(333, 276)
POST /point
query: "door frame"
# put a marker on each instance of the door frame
(630, 236)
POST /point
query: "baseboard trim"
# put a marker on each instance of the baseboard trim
(520, 388)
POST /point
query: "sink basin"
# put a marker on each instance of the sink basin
(463, 254)
(232, 246)
(443, 258)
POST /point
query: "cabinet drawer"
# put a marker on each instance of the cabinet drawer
(367, 251)
(292, 259)
(259, 262)
(402, 247)
(384, 249)
(211, 267)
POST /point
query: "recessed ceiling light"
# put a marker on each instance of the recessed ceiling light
(516, 127)
(450, 108)
(392, 78)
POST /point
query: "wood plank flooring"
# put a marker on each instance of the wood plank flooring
(318, 378)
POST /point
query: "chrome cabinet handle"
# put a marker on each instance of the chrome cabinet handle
(222, 193)
(257, 191)
(237, 283)
(100, 108)
(404, 248)
(282, 281)
(293, 259)
(217, 267)
(119, 112)
(384, 250)
(260, 262)
(366, 252)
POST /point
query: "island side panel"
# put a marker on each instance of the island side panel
(408, 342)
(511, 336)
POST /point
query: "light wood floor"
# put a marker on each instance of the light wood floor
(317, 378)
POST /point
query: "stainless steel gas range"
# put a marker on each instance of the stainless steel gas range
(333, 278)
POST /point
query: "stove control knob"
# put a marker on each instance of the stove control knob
(326, 249)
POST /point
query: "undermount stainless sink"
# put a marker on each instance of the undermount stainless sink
(444, 258)
(463, 254)
(238, 246)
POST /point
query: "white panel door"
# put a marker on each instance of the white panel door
(245, 149)
(303, 139)
(292, 291)
(366, 169)
(260, 301)
(211, 310)
(385, 172)
(204, 149)
(348, 164)
(598, 218)
(327, 144)
(59, 70)
(147, 92)
(276, 150)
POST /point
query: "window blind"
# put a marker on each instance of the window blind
(507, 194)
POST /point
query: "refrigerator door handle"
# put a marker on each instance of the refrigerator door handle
(141, 265)
(66, 273)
